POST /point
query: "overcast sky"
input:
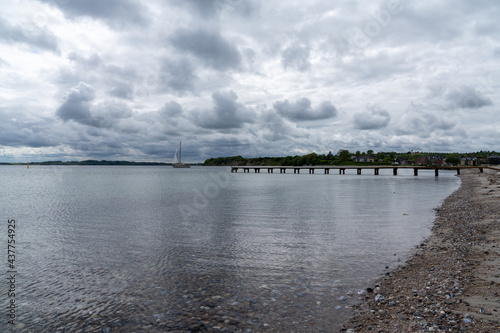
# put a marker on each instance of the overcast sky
(128, 80)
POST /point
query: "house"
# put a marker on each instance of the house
(364, 158)
(494, 160)
(468, 161)
(401, 161)
(430, 160)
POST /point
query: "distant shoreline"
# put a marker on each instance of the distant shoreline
(94, 162)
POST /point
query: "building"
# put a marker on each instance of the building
(364, 158)
(430, 160)
(468, 161)
(494, 160)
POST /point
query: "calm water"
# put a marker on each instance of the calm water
(159, 249)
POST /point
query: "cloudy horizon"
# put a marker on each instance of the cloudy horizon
(129, 80)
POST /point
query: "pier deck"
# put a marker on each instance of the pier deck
(341, 169)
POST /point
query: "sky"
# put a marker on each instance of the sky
(129, 80)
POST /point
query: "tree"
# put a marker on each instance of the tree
(369, 152)
(453, 160)
(345, 155)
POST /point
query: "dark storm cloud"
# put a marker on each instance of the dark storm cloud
(29, 33)
(210, 47)
(296, 57)
(371, 119)
(116, 13)
(226, 113)
(301, 110)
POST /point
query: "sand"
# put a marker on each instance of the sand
(452, 282)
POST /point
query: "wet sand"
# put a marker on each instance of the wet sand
(452, 283)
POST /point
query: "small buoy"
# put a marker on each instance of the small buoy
(28, 164)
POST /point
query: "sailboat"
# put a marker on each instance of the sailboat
(177, 163)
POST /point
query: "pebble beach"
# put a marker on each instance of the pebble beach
(452, 282)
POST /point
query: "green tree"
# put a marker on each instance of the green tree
(345, 155)
(453, 159)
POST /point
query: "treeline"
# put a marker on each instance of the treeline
(310, 159)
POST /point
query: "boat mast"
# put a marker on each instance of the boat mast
(180, 152)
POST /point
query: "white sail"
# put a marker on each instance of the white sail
(177, 163)
(176, 158)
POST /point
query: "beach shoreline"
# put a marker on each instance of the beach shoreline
(452, 281)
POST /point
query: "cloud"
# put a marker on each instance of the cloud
(115, 13)
(131, 79)
(77, 106)
(422, 121)
(209, 47)
(29, 33)
(301, 110)
(296, 57)
(122, 90)
(467, 98)
(172, 109)
(206, 8)
(177, 75)
(90, 61)
(226, 113)
(273, 128)
(211, 8)
(371, 119)
(23, 128)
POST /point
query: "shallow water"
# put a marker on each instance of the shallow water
(157, 248)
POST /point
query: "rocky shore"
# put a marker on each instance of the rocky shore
(452, 283)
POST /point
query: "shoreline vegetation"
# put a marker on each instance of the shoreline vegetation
(344, 157)
(452, 281)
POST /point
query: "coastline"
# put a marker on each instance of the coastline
(452, 281)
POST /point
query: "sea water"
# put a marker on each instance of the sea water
(135, 248)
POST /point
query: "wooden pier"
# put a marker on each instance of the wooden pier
(341, 169)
